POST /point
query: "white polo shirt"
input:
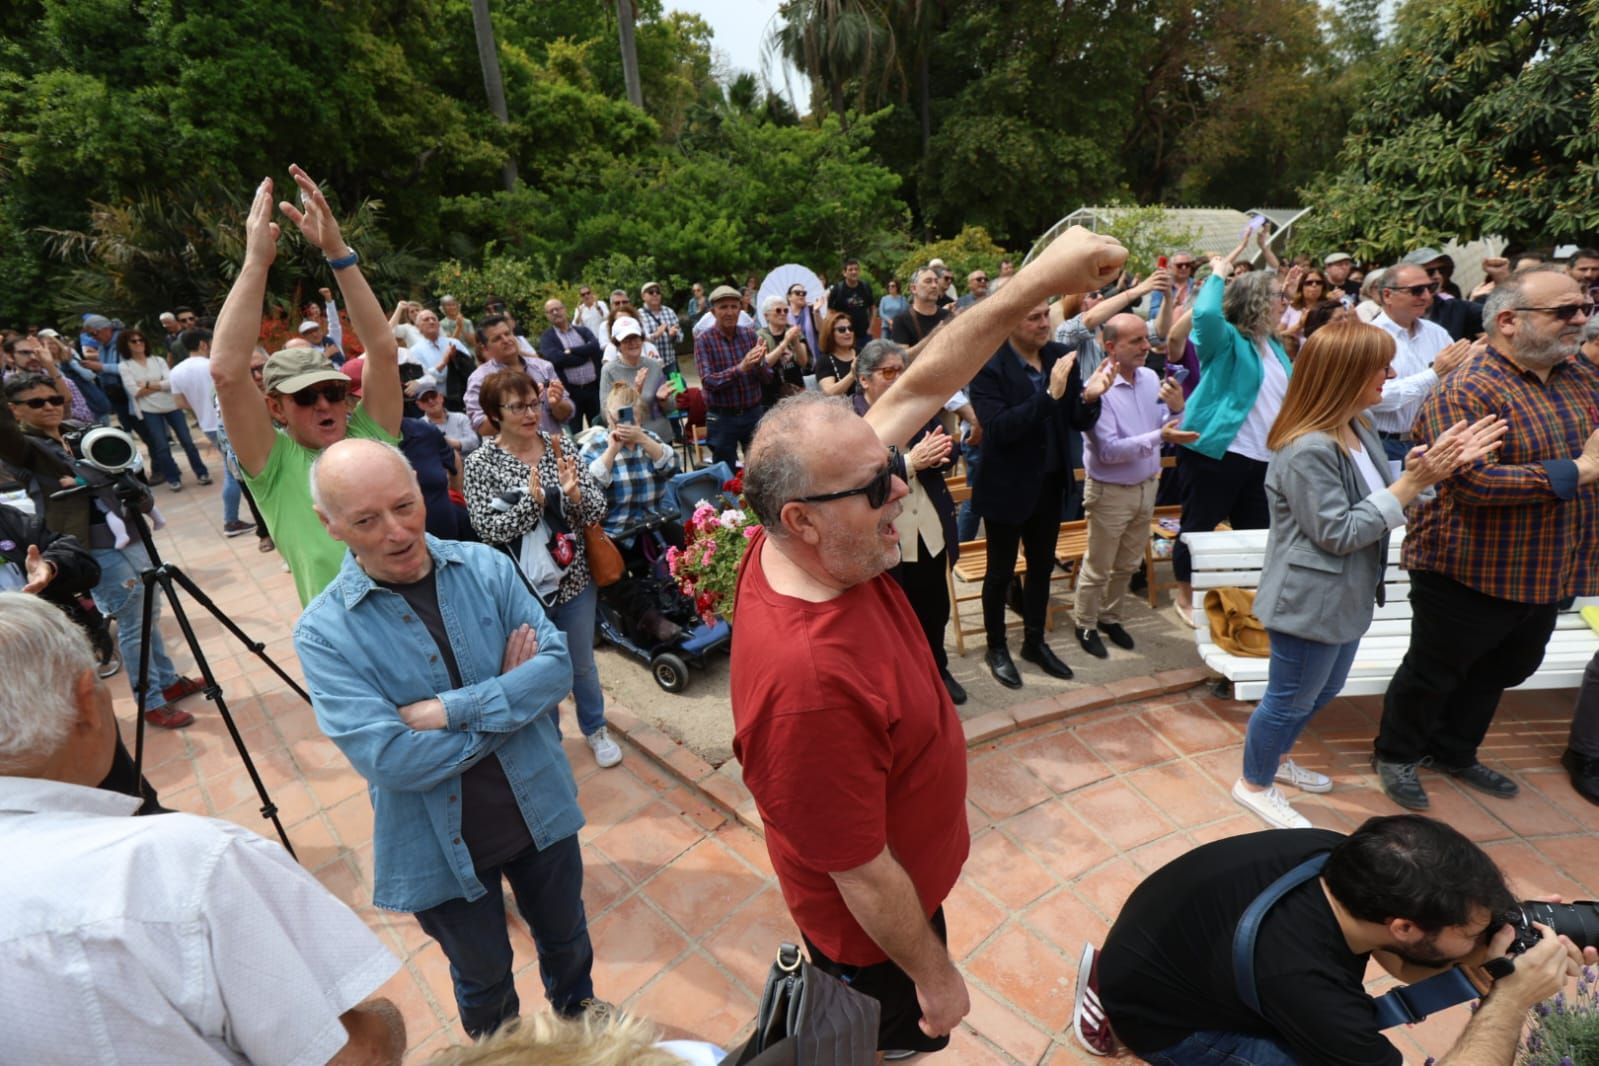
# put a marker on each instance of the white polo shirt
(191, 379)
(170, 938)
(1402, 395)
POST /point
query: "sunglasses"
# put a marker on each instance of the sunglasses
(41, 401)
(1564, 312)
(796, 292)
(1417, 291)
(889, 373)
(843, 329)
(1315, 281)
(876, 491)
(331, 391)
(779, 310)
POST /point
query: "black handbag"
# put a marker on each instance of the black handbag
(809, 1018)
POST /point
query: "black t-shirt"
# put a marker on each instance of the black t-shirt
(912, 327)
(491, 823)
(830, 366)
(856, 303)
(1167, 970)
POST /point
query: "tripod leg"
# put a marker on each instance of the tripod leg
(141, 687)
(259, 649)
(164, 576)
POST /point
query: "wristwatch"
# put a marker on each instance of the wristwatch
(344, 262)
(1499, 968)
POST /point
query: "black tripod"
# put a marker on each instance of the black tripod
(166, 576)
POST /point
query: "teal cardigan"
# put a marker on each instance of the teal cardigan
(1229, 374)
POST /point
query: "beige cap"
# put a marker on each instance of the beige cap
(294, 369)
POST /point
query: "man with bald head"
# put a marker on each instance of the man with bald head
(848, 739)
(433, 668)
(1121, 460)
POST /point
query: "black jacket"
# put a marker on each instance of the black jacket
(1461, 318)
(76, 570)
(1021, 423)
(589, 351)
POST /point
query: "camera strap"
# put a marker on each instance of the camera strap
(1404, 1005)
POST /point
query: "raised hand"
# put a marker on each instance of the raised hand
(316, 221)
(754, 356)
(1099, 381)
(639, 379)
(39, 570)
(260, 232)
(566, 474)
(1079, 260)
(327, 295)
(1060, 374)
(932, 450)
(1159, 281)
(554, 393)
(1171, 394)
(1451, 357)
(1291, 280)
(1221, 265)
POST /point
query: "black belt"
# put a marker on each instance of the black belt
(730, 410)
(1400, 437)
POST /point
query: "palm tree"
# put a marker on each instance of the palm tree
(834, 42)
(488, 55)
(624, 29)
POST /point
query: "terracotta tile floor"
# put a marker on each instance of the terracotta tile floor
(1066, 818)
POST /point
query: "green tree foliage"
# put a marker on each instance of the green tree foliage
(1147, 233)
(970, 249)
(1482, 117)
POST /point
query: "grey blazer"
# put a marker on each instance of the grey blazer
(1328, 546)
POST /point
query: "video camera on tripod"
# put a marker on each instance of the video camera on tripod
(105, 448)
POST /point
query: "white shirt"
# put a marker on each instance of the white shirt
(1402, 395)
(591, 318)
(191, 379)
(170, 938)
(431, 353)
(1368, 471)
(153, 371)
(1251, 439)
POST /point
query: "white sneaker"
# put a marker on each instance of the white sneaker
(1291, 773)
(606, 753)
(1271, 806)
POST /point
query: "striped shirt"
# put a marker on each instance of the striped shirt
(1510, 525)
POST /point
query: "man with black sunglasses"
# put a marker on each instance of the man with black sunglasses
(1492, 555)
(848, 739)
(1423, 353)
(305, 394)
(1461, 318)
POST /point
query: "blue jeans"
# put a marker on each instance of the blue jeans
(1223, 1049)
(120, 595)
(1396, 450)
(575, 619)
(724, 433)
(1303, 678)
(548, 886)
(153, 428)
(966, 520)
(231, 490)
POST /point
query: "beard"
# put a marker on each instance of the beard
(855, 557)
(1543, 353)
(1425, 953)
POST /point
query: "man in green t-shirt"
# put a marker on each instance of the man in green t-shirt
(305, 395)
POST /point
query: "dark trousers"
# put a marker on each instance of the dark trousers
(1585, 722)
(1036, 536)
(725, 432)
(1230, 489)
(1466, 648)
(892, 987)
(548, 886)
(928, 592)
(585, 405)
(121, 778)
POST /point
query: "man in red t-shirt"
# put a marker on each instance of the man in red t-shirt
(847, 738)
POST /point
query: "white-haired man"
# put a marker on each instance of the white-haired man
(164, 939)
(433, 668)
(859, 773)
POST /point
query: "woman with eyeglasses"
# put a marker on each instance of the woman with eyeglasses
(1311, 290)
(149, 385)
(835, 366)
(526, 494)
(786, 350)
(1246, 372)
(926, 525)
(891, 306)
(801, 313)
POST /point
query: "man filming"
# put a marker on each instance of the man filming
(1410, 892)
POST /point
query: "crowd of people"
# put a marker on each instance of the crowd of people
(432, 483)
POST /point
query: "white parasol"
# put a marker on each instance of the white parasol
(785, 277)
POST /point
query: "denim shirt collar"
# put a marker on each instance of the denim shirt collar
(355, 584)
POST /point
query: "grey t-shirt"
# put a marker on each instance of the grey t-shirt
(648, 411)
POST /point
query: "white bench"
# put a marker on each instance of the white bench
(1233, 559)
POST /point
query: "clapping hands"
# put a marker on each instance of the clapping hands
(1457, 446)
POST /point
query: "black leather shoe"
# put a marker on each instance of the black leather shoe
(1000, 665)
(1091, 643)
(957, 695)
(1584, 771)
(1401, 784)
(1041, 656)
(1118, 636)
(1483, 779)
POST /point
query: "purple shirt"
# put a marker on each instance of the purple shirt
(540, 370)
(1123, 448)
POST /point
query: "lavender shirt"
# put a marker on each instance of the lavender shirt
(1123, 448)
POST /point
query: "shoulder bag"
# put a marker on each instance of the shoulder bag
(809, 1017)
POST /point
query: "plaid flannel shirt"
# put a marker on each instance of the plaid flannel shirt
(719, 360)
(1510, 525)
(654, 320)
(634, 484)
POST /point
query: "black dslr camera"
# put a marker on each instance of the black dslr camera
(1579, 921)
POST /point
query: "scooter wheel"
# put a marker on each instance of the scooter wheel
(671, 672)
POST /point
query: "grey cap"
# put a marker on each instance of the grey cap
(725, 292)
(1337, 257)
(96, 322)
(1423, 256)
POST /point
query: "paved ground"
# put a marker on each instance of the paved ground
(1066, 817)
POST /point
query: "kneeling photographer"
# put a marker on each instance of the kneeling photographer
(41, 453)
(1254, 949)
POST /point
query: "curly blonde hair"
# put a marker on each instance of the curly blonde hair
(548, 1040)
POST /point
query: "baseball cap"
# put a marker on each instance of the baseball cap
(352, 369)
(96, 322)
(1337, 257)
(427, 385)
(626, 327)
(307, 326)
(294, 369)
(726, 292)
(1422, 256)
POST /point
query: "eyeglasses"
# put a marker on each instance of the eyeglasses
(585, 293)
(1418, 291)
(135, 340)
(843, 329)
(980, 277)
(796, 292)
(876, 491)
(1182, 266)
(889, 373)
(519, 409)
(1314, 281)
(1564, 312)
(1436, 272)
(779, 310)
(331, 391)
(40, 401)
